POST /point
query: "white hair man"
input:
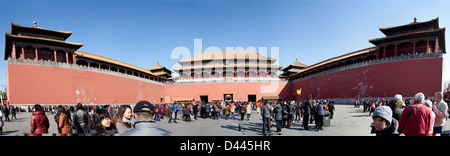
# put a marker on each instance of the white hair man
(399, 97)
(440, 108)
(416, 119)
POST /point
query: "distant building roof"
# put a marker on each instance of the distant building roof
(337, 58)
(227, 55)
(160, 70)
(15, 29)
(112, 61)
(295, 64)
(433, 24)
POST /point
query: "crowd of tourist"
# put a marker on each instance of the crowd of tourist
(411, 117)
(396, 116)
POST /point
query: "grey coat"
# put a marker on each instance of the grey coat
(278, 113)
(145, 127)
(266, 111)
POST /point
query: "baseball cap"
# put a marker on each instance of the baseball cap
(144, 106)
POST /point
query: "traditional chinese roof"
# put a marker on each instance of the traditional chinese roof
(336, 59)
(216, 60)
(44, 40)
(16, 29)
(223, 67)
(37, 35)
(227, 55)
(413, 30)
(157, 66)
(112, 61)
(160, 70)
(431, 24)
(295, 64)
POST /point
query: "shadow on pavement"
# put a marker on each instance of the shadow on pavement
(8, 132)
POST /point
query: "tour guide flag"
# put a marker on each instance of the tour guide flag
(299, 91)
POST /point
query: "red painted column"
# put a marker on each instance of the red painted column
(73, 58)
(23, 53)
(414, 47)
(436, 45)
(54, 54)
(378, 53)
(384, 52)
(36, 53)
(67, 57)
(396, 50)
(13, 51)
(428, 46)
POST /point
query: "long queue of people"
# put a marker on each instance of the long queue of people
(418, 117)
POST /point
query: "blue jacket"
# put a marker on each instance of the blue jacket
(320, 110)
(175, 108)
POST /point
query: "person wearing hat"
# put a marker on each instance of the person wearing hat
(144, 112)
(383, 123)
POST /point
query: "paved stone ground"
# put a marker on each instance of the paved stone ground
(347, 121)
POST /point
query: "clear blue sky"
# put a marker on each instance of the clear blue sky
(143, 32)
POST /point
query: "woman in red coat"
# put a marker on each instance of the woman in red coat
(39, 121)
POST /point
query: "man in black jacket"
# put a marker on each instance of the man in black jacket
(307, 108)
(80, 119)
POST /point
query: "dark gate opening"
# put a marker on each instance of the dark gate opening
(204, 99)
(251, 98)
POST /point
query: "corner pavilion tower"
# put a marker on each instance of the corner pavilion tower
(227, 65)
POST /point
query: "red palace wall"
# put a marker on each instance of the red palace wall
(33, 84)
(240, 90)
(379, 80)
